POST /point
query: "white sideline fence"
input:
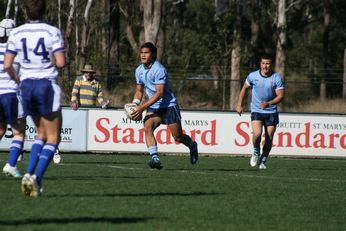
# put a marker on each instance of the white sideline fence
(108, 130)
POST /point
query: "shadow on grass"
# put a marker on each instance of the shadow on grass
(130, 177)
(87, 178)
(233, 170)
(216, 169)
(102, 162)
(43, 221)
(179, 194)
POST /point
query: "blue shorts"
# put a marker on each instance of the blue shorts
(268, 119)
(168, 115)
(11, 108)
(40, 96)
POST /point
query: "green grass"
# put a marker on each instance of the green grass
(119, 192)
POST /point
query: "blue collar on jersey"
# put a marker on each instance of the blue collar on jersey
(266, 76)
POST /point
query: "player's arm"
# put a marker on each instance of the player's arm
(137, 98)
(280, 93)
(160, 88)
(241, 96)
(8, 66)
(59, 59)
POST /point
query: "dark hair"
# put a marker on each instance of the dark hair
(35, 9)
(266, 56)
(152, 49)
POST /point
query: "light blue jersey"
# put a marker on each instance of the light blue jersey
(152, 76)
(263, 90)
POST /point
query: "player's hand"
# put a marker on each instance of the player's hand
(137, 115)
(74, 105)
(264, 105)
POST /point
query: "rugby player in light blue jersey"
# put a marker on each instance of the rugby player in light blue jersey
(11, 109)
(40, 50)
(161, 107)
(267, 91)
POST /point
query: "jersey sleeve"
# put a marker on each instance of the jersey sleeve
(137, 75)
(279, 83)
(249, 80)
(11, 45)
(57, 42)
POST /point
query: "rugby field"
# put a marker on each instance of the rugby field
(120, 192)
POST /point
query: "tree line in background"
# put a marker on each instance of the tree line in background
(217, 41)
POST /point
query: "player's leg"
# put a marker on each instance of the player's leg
(3, 110)
(13, 110)
(29, 185)
(16, 147)
(3, 126)
(172, 118)
(178, 135)
(45, 95)
(52, 127)
(256, 124)
(268, 143)
(151, 122)
(270, 125)
(28, 99)
(36, 148)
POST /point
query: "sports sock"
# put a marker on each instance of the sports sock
(15, 149)
(46, 156)
(263, 159)
(34, 155)
(257, 151)
(153, 151)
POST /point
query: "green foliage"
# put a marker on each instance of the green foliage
(198, 43)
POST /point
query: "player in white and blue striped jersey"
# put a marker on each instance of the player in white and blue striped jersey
(161, 107)
(40, 50)
(11, 110)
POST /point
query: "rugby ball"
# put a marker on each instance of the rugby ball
(130, 108)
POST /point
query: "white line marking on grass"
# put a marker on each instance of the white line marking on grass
(214, 173)
(314, 159)
(268, 177)
(210, 173)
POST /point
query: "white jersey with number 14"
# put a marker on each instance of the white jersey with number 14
(35, 43)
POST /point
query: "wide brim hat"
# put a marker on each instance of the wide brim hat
(88, 68)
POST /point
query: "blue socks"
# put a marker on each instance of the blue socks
(34, 155)
(15, 149)
(46, 156)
